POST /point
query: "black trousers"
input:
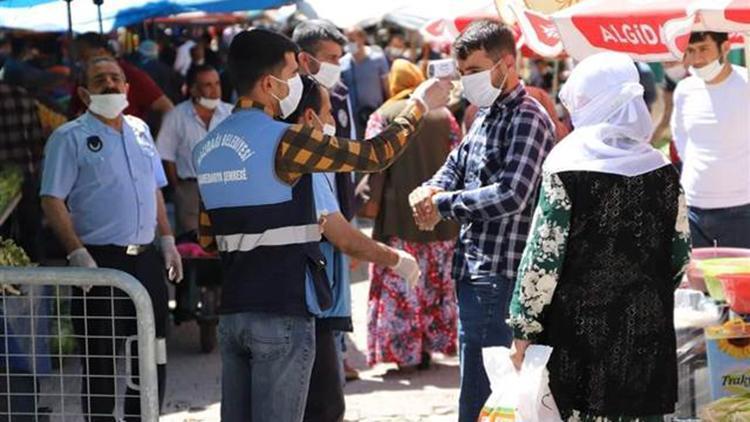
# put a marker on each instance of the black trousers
(97, 331)
(325, 397)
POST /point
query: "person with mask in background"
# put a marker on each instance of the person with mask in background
(181, 130)
(163, 75)
(489, 184)
(711, 132)
(101, 193)
(365, 73)
(405, 326)
(322, 46)
(325, 401)
(253, 175)
(609, 244)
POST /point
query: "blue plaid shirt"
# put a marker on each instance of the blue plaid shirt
(491, 182)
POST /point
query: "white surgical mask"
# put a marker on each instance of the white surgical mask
(209, 103)
(328, 75)
(291, 101)
(108, 106)
(352, 48)
(675, 73)
(478, 88)
(708, 72)
(328, 129)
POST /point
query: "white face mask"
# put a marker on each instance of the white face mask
(675, 73)
(328, 75)
(708, 72)
(478, 88)
(108, 106)
(352, 48)
(328, 129)
(209, 103)
(291, 101)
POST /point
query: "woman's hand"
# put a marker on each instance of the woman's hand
(518, 352)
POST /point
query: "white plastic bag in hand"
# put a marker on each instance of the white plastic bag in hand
(521, 396)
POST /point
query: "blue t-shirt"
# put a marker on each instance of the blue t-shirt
(364, 79)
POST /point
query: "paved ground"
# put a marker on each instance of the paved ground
(193, 392)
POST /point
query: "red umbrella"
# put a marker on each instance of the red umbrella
(447, 29)
(648, 30)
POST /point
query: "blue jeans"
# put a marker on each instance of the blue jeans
(482, 311)
(727, 227)
(266, 361)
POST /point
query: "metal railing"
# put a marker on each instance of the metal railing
(43, 367)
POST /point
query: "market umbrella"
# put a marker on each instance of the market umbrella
(44, 15)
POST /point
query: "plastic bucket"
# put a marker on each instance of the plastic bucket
(713, 267)
(737, 291)
(695, 277)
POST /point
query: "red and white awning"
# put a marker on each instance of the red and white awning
(647, 30)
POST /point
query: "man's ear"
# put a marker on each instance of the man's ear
(84, 95)
(726, 46)
(127, 88)
(309, 117)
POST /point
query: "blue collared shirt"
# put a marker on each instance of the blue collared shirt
(108, 179)
(492, 179)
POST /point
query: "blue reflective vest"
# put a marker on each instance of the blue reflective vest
(266, 231)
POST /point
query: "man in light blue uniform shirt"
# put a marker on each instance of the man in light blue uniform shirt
(101, 194)
(325, 400)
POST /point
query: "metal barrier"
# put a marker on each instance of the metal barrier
(39, 381)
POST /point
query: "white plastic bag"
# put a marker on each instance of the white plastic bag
(518, 396)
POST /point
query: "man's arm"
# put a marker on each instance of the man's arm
(677, 123)
(62, 224)
(170, 168)
(513, 185)
(354, 243)
(162, 105)
(304, 150)
(162, 222)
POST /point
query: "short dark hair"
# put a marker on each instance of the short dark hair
(311, 98)
(309, 34)
(194, 71)
(254, 53)
(718, 37)
(92, 40)
(492, 36)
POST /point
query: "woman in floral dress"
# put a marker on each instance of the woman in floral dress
(405, 326)
(609, 244)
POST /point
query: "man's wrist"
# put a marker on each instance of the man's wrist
(442, 202)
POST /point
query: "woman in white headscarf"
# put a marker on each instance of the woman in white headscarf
(609, 244)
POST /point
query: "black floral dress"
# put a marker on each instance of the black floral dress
(597, 284)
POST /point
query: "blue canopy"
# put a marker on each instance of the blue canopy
(51, 15)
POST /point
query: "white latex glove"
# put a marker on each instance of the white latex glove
(82, 258)
(172, 258)
(433, 93)
(407, 267)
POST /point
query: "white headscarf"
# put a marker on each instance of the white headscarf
(612, 123)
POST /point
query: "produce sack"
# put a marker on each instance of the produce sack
(518, 396)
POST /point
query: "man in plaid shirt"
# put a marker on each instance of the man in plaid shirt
(21, 144)
(490, 185)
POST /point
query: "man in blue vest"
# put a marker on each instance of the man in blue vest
(253, 178)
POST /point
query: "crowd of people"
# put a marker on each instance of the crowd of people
(501, 216)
